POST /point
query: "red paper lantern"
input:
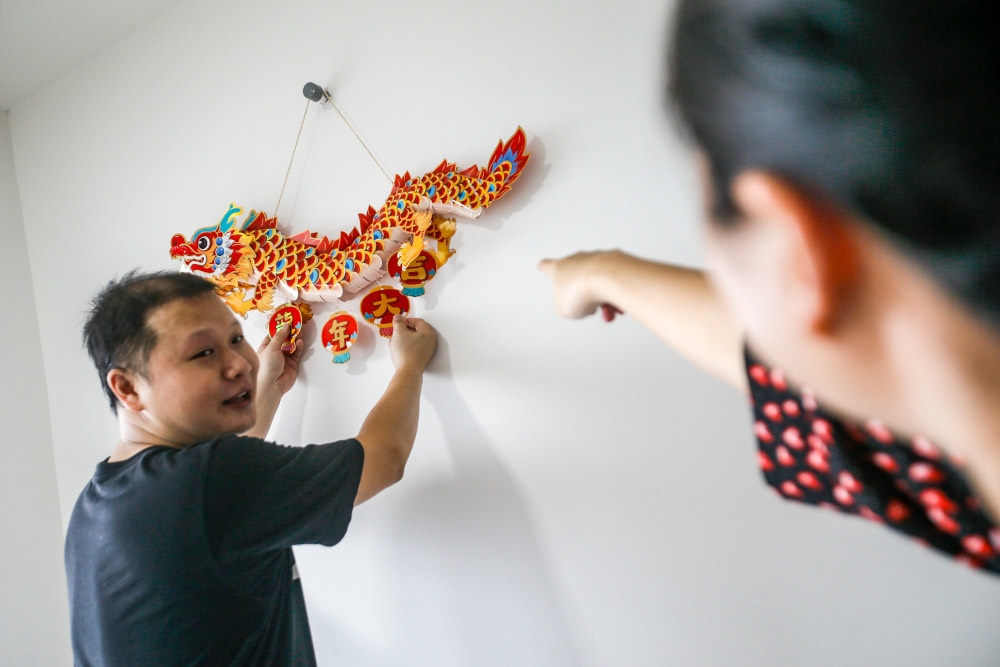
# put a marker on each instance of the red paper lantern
(286, 316)
(382, 304)
(339, 334)
(416, 275)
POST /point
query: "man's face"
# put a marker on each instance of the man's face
(201, 375)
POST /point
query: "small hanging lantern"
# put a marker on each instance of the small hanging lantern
(339, 334)
(382, 304)
(286, 316)
(416, 275)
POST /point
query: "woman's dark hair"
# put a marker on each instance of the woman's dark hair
(887, 108)
(117, 334)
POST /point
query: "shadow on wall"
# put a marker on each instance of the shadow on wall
(470, 566)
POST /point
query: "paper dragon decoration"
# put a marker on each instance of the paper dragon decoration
(255, 267)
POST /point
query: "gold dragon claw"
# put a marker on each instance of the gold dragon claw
(445, 227)
(441, 254)
(422, 218)
(411, 250)
(239, 304)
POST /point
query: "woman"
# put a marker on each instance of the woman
(851, 159)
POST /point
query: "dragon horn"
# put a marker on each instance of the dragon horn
(229, 219)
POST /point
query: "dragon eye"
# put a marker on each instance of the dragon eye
(204, 243)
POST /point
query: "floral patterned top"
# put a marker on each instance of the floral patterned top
(864, 469)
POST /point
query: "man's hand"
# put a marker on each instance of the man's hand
(278, 368)
(413, 343)
(576, 281)
(277, 373)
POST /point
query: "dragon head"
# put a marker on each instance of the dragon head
(218, 252)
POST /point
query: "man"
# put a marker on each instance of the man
(179, 549)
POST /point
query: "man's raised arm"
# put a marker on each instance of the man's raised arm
(389, 430)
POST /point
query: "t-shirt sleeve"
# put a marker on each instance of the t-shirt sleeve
(260, 496)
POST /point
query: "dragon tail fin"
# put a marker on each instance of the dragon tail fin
(507, 162)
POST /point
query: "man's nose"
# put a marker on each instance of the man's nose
(237, 364)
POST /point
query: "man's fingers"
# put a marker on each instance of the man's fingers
(411, 326)
(281, 335)
(290, 352)
(547, 266)
(411, 323)
(278, 342)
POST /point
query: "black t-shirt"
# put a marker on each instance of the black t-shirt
(183, 556)
(909, 485)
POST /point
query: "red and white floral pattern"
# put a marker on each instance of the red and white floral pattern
(865, 469)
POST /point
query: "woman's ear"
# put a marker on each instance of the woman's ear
(812, 245)
(123, 385)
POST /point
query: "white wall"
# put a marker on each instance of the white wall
(34, 620)
(577, 495)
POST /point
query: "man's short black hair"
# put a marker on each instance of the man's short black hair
(117, 334)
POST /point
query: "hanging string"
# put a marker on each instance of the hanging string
(291, 159)
(298, 137)
(358, 136)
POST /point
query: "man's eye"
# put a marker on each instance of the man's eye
(203, 353)
(238, 339)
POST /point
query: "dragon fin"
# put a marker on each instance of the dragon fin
(512, 152)
(399, 182)
(367, 219)
(305, 236)
(260, 222)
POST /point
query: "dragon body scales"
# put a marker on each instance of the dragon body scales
(255, 267)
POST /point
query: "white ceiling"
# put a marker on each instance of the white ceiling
(41, 39)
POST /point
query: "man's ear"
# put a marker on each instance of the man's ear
(816, 246)
(123, 385)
